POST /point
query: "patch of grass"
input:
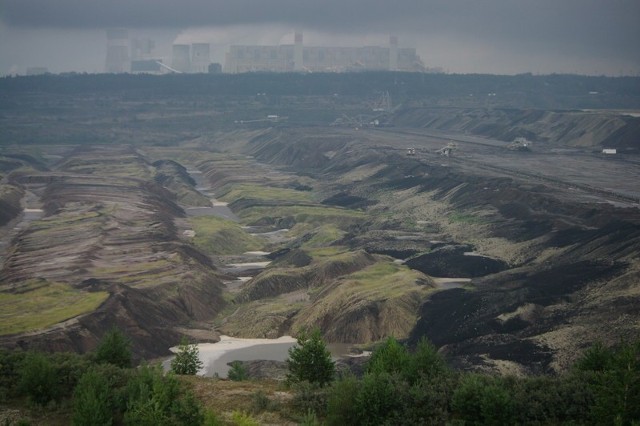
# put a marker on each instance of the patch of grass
(458, 217)
(382, 279)
(219, 236)
(324, 252)
(315, 215)
(325, 235)
(44, 307)
(259, 192)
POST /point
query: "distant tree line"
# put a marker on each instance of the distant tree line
(539, 91)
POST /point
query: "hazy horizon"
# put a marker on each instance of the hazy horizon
(590, 37)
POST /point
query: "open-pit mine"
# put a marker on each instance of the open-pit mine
(495, 227)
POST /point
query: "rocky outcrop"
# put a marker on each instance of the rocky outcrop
(10, 207)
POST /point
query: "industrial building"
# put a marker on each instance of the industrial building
(200, 57)
(296, 57)
(117, 51)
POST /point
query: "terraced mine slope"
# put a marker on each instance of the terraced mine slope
(104, 251)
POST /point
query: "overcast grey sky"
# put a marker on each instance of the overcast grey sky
(492, 36)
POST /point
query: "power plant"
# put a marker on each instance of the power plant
(117, 51)
(296, 57)
(181, 57)
(200, 57)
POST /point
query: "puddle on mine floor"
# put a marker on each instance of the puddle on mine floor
(449, 283)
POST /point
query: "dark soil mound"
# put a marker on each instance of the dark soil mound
(456, 262)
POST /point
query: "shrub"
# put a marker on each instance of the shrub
(309, 419)
(240, 418)
(310, 360)
(483, 400)
(616, 383)
(426, 362)
(157, 399)
(211, 419)
(91, 400)
(341, 402)
(238, 372)
(390, 358)
(379, 400)
(187, 360)
(38, 379)
(114, 348)
(10, 365)
(427, 400)
(310, 396)
(260, 402)
(70, 367)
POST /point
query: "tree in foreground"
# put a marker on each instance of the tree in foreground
(310, 360)
(187, 360)
(38, 378)
(91, 400)
(114, 348)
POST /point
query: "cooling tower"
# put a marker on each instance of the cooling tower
(117, 50)
(200, 57)
(393, 53)
(142, 49)
(181, 59)
(297, 53)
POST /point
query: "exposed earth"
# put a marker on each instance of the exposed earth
(511, 261)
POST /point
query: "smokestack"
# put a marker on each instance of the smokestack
(297, 53)
(180, 59)
(117, 50)
(200, 57)
(393, 53)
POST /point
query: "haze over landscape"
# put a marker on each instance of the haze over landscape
(590, 37)
(319, 212)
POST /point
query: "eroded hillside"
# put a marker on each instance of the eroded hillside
(103, 250)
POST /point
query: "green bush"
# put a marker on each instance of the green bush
(310, 360)
(341, 402)
(426, 362)
(10, 365)
(211, 419)
(427, 400)
(38, 379)
(70, 367)
(238, 372)
(614, 377)
(157, 399)
(114, 348)
(390, 358)
(92, 400)
(260, 402)
(187, 360)
(483, 400)
(310, 396)
(379, 399)
(240, 418)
